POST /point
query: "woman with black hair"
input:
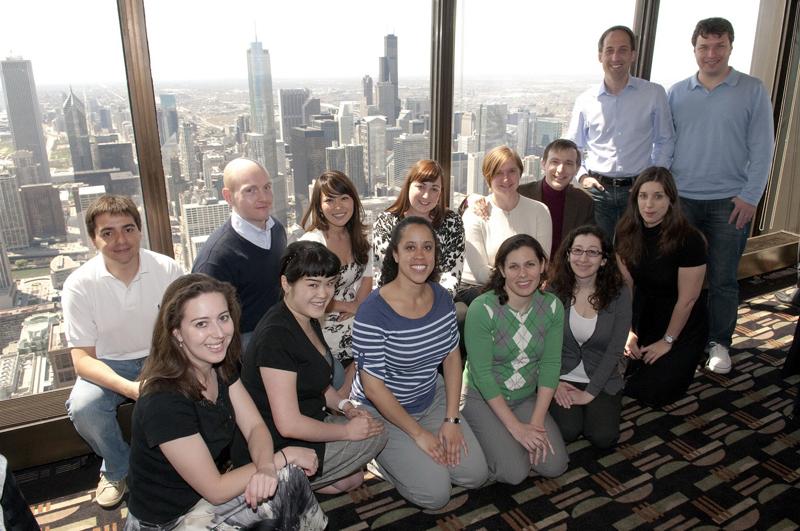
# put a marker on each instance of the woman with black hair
(586, 279)
(402, 333)
(514, 332)
(288, 371)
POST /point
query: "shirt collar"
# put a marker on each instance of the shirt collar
(251, 233)
(633, 82)
(104, 272)
(731, 79)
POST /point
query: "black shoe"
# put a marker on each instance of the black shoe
(792, 298)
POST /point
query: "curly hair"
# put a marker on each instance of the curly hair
(167, 368)
(390, 268)
(497, 282)
(674, 227)
(331, 184)
(608, 282)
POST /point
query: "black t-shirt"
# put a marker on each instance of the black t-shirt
(158, 494)
(279, 342)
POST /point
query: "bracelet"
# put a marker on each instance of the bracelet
(452, 420)
(286, 461)
(344, 401)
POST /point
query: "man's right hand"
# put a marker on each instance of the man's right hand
(588, 182)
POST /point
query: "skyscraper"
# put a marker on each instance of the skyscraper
(24, 113)
(366, 94)
(354, 163)
(189, 152)
(291, 108)
(43, 212)
(169, 109)
(372, 135)
(491, 126)
(262, 113)
(345, 121)
(408, 149)
(387, 68)
(335, 159)
(12, 216)
(77, 133)
(545, 130)
(198, 221)
(308, 162)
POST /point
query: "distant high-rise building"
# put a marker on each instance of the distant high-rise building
(531, 169)
(311, 107)
(408, 149)
(200, 219)
(189, 152)
(85, 196)
(458, 173)
(291, 109)
(115, 155)
(24, 114)
(308, 162)
(475, 181)
(43, 212)
(523, 130)
(386, 101)
(372, 135)
(345, 122)
(392, 132)
(106, 121)
(280, 198)
(419, 106)
(492, 126)
(387, 68)
(404, 120)
(13, 229)
(77, 133)
(7, 285)
(354, 164)
(212, 163)
(25, 168)
(467, 144)
(328, 126)
(468, 124)
(366, 95)
(262, 113)
(169, 108)
(545, 130)
(335, 159)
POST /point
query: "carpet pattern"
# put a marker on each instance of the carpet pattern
(722, 457)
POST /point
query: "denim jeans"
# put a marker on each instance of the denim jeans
(609, 205)
(93, 411)
(725, 247)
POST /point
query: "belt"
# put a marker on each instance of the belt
(623, 180)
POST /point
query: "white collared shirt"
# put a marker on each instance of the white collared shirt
(258, 237)
(100, 311)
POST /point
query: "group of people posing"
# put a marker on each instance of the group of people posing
(447, 349)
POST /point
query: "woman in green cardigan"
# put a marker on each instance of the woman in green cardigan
(514, 333)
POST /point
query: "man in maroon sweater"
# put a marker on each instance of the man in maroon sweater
(570, 207)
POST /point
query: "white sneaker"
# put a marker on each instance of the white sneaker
(109, 493)
(719, 360)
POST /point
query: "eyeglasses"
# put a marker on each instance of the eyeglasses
(591, 253)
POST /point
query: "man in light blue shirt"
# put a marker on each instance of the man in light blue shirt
(623, 126)
(723, 152)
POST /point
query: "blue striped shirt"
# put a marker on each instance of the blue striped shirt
(403, 352)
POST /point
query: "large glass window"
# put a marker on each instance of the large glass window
(65, 138)
(301, 87)
(673, 56)
(518, 68)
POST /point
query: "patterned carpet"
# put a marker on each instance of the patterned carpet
(723, 457)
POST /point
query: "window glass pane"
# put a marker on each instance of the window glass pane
(673, 56)
(65, 138)
(519, 67)
(299, 86)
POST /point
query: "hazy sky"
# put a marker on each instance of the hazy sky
(79, 42)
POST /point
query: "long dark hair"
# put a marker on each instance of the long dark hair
(167, 368)
(389, 269)
(423, 171)
(607, 284)
(335, 183)
(497, 281)
(674, 227)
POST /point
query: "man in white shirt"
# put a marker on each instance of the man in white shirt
(110, 305)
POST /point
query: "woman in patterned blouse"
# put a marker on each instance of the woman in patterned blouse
(514, 333)
(422, 196)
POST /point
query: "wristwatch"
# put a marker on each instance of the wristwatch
(452, 420)
(669, 339)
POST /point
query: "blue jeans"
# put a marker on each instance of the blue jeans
(93, 411)
(609, 205)
(725, 247)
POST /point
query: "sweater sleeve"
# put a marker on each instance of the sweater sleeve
(613, 353)
(550, 364)
(479, 336)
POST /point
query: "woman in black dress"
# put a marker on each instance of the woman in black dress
(663, 258)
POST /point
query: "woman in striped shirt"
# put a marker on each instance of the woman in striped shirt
(402, 332)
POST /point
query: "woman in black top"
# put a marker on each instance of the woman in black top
(191, 402)
(664, 259)
(288, 371)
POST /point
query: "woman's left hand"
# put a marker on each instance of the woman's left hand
(653, 351)
(452, 439)
(262, 485)
(579, 397)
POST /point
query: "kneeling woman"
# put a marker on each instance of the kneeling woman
(288, 372)
(402, 332)
(190, 403)
(514, 333)
(586, 278)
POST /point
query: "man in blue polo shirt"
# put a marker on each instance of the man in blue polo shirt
(723, 152)
(623, 125)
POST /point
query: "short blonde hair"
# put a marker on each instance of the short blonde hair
(496, 158)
